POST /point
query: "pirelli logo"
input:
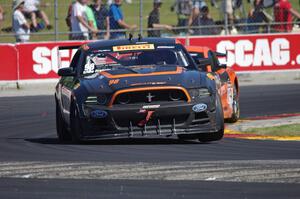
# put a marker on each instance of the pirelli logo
(133, 47)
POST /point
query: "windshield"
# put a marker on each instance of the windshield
(100, 60)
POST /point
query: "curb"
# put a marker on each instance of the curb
(244, 135)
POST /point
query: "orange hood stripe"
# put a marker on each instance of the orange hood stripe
(108, 75)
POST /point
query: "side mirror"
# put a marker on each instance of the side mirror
(65, 72)
(218, 54)
(202, 63)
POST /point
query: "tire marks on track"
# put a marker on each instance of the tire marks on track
(273, 171)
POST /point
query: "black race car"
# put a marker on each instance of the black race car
(136, 87)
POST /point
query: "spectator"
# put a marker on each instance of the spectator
(195, 11)
(283, 13)
(1, 16)
(20, 25)
(154, 20)
(117, 20)
(102, 19)
(202, 21)
(183, 9)
(256, 15)
(79, 22)
(33, 12)
(91, 20)
(68, 18)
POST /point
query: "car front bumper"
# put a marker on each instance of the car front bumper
(168, 119)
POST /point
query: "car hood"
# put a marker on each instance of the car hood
(112, 80)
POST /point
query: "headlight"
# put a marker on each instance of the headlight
(100, 99)
(91, 100)
(199, 92)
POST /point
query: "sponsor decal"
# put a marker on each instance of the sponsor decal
(113, 81)
(147, 118)
(199, 108)
(133, 47)
(99, 114)
(151, 106)
(148, 83)
(171, 47)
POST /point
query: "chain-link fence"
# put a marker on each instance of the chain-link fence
(66, 19)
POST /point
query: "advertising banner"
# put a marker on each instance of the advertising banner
(40, 60)
(255, 52)
(245, 53)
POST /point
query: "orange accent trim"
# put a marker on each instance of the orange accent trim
(178, 71)
(200, 49)
(148, 89)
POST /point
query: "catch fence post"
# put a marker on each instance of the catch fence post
(56, 19)
(141, 17)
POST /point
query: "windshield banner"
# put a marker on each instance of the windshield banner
(245, 53)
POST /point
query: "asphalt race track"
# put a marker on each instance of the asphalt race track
(34, 165)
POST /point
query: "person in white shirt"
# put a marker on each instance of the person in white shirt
(33, 12)
(1, 15)
(20, 25)
(79, 22)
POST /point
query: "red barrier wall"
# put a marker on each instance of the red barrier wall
(9, 62)
(244, 53)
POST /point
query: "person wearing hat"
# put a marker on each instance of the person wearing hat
(154, 21)
(20, 25)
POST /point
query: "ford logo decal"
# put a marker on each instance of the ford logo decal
(99, 114)
(199, 108)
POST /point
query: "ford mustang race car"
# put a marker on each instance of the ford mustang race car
(228, 81)
(137, 87)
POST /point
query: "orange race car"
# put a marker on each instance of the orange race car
(227, 80)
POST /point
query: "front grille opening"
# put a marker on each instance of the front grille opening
(201, 118)
(141, 97)
(201, 115)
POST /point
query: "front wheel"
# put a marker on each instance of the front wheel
(76, 129)
(62, 132)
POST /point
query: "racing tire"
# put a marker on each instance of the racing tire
(76, 129)
(215, 136)
(235, 107)
(61, 129)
